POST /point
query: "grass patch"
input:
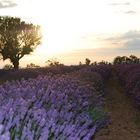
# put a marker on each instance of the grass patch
(96, 114)
(137, 121)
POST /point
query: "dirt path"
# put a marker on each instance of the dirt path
(125, 118)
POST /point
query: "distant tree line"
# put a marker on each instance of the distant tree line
(88, 62)
(32, 65)
(132, 59)
(53, 63)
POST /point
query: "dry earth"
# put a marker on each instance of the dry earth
(124, 117)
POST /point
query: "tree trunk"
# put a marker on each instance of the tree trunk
(16, 64)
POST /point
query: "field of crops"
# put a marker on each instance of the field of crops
(54, 107)
(65, 103)
(129, 76)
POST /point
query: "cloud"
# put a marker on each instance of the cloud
(129, 40)
(131, 34)
(132, 44)
(131, 12)
(119, 4)
(7, 4)
(128, 35)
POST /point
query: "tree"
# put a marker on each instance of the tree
(32, 65)
(7, 66)
(117, 60)
(80, 63)
(124, 59)
(87, 61)
(134, 59)
(17, 39)
(53, 62)
(94, 63)
(103, 62)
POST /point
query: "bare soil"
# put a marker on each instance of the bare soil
(124, 117)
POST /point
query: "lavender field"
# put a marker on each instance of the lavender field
(59, 107)
(62, 103)
(129, 76)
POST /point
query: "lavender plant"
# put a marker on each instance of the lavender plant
(129, 76)
(50, 108)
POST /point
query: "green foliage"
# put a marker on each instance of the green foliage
(87, 61)
(17, 39)
(53, 62)
(8, 66)
(94, 63)
(103, 62)
(32, 65)
(132, 59)
(96, 114)
(137, 120)
(80, 63)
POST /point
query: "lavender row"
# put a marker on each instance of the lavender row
(50, 108)
(11, 74)
(129, 76)
(34, 72)
(103, 70)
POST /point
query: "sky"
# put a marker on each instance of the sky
(77, 29)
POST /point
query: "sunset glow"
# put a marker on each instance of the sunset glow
(70, 26)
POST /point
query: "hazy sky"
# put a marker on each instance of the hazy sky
(76, 29)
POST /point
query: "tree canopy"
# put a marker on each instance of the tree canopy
(17, 38)
(132, 59)
(87, 61)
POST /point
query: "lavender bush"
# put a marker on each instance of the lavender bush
(50, 108)
(129, 76)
